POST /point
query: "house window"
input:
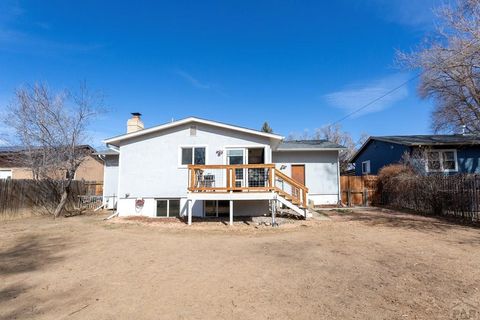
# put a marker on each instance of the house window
(441, 161)
(5, 174)
(193, 155)
(235, 156)
(168, 207)
(366, 167)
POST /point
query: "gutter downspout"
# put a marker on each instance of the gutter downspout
(338, 179)
(112, 215)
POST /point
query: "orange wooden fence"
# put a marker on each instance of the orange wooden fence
(358, 190)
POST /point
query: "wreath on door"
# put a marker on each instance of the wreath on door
(139, 203)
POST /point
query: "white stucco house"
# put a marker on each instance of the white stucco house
(200, 168)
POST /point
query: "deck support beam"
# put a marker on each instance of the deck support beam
(231, 212)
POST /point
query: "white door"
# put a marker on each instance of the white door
(237, 156)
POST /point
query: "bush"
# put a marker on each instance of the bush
(390, 181)
(403, 187)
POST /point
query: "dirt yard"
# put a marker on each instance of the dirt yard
(360, 265)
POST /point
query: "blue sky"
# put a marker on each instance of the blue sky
(299, 65)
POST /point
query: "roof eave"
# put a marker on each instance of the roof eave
(308, 149)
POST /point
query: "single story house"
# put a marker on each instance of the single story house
(203, 168)
(12, 165)
(449, 154)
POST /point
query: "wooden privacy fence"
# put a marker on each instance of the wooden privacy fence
(26, 196)
(456, 196)
(358, 190)
(93, 188)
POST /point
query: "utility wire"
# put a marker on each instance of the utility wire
(378, 98)
(394, 89)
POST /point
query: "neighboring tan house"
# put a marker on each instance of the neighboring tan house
(203, 168)
(447, 154)
(91, 168)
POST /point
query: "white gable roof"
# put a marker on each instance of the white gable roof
(117, 139)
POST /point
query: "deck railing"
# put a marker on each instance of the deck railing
(245, 178)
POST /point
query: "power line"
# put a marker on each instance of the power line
(394, 89)
(378, 98)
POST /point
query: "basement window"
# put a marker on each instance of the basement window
(168, 208)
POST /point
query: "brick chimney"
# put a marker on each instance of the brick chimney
(134, 124)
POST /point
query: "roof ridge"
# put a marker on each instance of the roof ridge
(191, 119)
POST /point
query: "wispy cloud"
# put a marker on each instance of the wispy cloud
(417, 14)
(200, 84)
(355, 96)
(192, 80)
(14, 38)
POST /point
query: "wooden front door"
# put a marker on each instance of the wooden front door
(298, 173)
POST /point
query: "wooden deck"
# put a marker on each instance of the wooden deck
(246, 178)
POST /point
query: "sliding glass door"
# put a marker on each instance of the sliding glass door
(251, 177)
(237, 156)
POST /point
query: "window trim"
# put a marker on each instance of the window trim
(168, 207)
(7, 170)
(267, 156)
(180, 147)
(440, 152)
(244, 151)
(369, 167)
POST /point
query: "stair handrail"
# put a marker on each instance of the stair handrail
(294, 183)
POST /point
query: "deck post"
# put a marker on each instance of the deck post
(231, 212)
(274, 212)
(189, 209)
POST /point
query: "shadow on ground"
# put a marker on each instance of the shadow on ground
(29, 253)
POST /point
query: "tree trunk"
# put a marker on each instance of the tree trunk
(63, 200)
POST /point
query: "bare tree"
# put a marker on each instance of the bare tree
(335, 134)
(52, 129)
(363, 138)
(450, 64)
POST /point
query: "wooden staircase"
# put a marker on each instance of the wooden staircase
(289, 189)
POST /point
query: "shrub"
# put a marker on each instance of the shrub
(402, 186)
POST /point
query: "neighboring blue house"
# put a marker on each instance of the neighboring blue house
(450, 154)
